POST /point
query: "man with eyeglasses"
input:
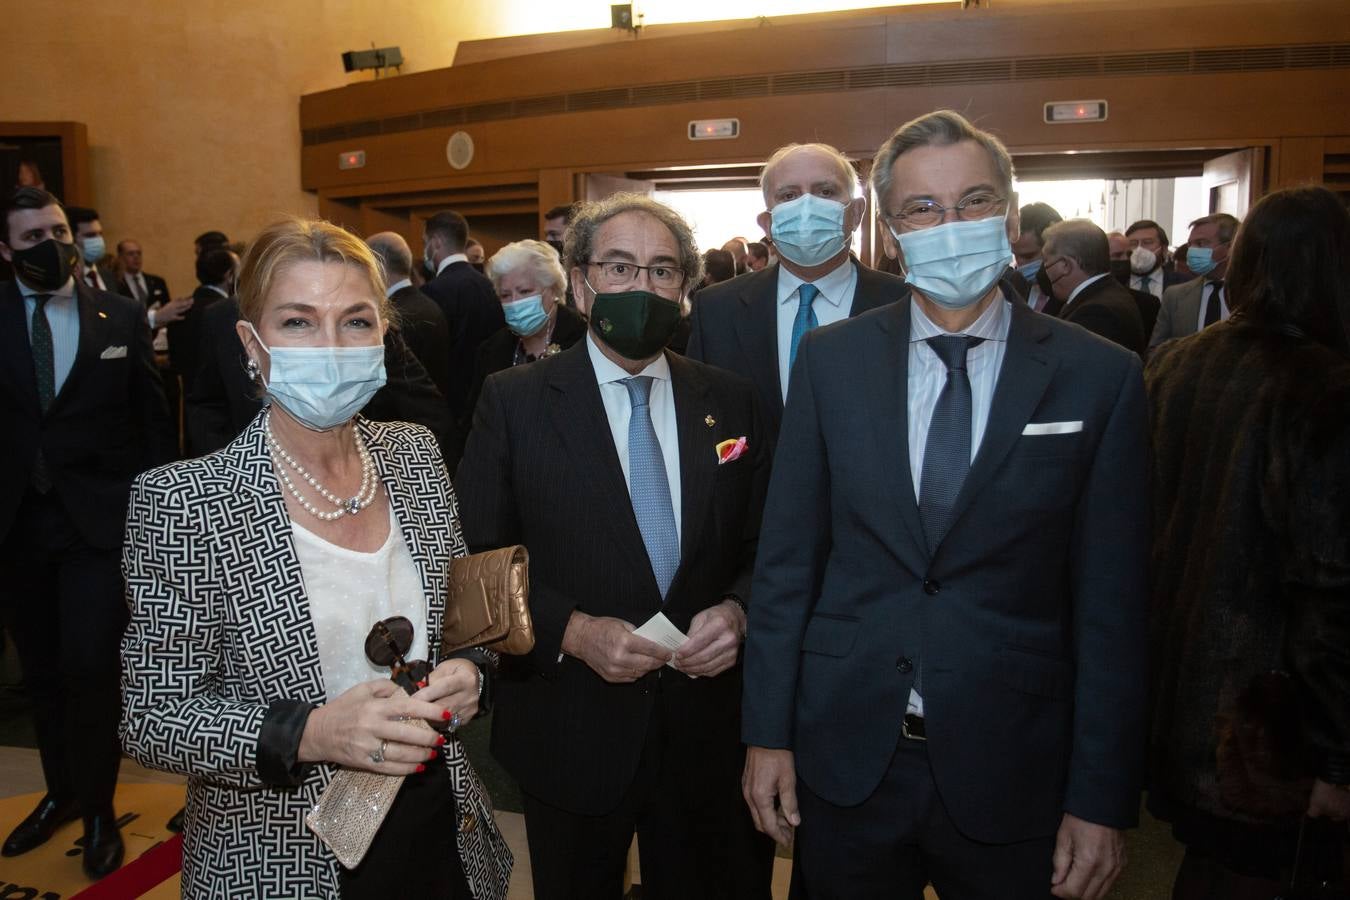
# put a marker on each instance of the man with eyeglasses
(944, 668)
(1202, 301)
(636, 477)
(753, 325)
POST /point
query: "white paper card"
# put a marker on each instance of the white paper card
(659, 630)
(1036, 428)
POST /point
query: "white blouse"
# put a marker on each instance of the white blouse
(349, 591)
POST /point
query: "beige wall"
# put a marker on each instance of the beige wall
(193, 107)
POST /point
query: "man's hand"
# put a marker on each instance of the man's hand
(1088, 859)
(173, 311)
(714, 640)
(610, 648)
(769, 786)
(1328, 802)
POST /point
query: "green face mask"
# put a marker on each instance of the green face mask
(635, 324)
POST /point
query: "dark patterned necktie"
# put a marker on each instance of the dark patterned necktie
(1212, 309)
(946, 456)
(44, 369)
(44, 356)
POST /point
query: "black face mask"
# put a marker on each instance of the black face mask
(46, 266)
(1120, 270)
(1043, 282)
(478, 266)
(635, 324)
(556, 245)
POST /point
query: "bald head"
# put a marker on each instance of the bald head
(1120, 245)
(799, 169)
(1081, 241)
(393, 253)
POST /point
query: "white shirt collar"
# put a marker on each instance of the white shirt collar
(451, 260)
(219, 290)
(66, 290)
(606, 372)
(397, 286)
(1078, 290)
(992, 325)
(833, 285)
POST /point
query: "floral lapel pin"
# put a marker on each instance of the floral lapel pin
(731, 450)
(709, 421)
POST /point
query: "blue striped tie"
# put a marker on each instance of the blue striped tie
(806, 318)
(648, 486)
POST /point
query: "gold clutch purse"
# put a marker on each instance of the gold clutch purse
(489, 603)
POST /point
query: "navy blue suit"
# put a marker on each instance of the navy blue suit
(1027, 622)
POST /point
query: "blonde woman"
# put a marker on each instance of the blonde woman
(254, 576)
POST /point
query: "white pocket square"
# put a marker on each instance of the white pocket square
(118, 352)
(1036, 428)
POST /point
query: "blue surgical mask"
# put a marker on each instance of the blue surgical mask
(525, 316)
(323, 387)
(955, 264)
(809, 230)
(1200, 260)
(1029, 270)
(93, 248)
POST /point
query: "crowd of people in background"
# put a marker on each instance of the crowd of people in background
(996, 519)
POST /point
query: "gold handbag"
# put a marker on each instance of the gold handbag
(489, 603)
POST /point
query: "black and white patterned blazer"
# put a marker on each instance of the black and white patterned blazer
(221, 633)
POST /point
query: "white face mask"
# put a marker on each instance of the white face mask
(956, 263)
(809, 230)
(323, 387)
(1142, 261)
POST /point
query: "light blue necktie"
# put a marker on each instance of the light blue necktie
(649, 487)
(806, 318)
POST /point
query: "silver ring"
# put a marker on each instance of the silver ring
(378, 755)
(454, 721)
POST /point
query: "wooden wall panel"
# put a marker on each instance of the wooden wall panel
(1299, 162)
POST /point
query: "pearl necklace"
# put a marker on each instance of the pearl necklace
(351, 506)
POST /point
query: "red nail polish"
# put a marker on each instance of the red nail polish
(421, 684)
(447, 715)
(431, 754)
(440, 740)
(421, 768)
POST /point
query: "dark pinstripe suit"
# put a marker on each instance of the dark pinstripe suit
(540, 468)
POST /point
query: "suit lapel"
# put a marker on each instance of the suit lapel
(1027, 372)
(871, 291)
(578, 416)
(16, 354)
(757, 331)
(1190, 307)
(93, 339)
(887, 353)
(698, 456)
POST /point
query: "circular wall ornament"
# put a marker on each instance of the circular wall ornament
(459, 149)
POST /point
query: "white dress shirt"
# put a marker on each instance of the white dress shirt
(1152, 282)
(832, 304)
(619, 409)
(1208, 288)
(98, 278)
(451, 260)
(63, 317)
(136, 281)
(1078, 290)
(397, 286)
(927, 378)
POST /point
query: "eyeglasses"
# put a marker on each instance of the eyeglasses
(625, 274)
(926, 213)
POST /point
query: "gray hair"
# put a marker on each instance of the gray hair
(1228, 225)
(937, 129)
(848, 174)
(579, 243)
(535, 257)
(1082, 241)
(393, 254)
